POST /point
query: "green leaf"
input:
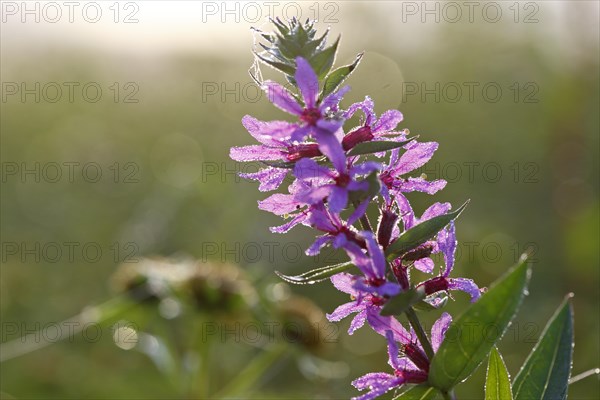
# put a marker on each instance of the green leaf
(400, 303)
(497, 383)
(339, 75)
(419, 392)
(323, 60)
(419, 234)
(375, 147)
(470, 338)
(316, 275)
(286, 69)
(545, 373)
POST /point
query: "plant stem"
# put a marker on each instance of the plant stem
(416, 324)
(449, 395)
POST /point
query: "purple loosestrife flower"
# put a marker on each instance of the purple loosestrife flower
(321, 120)
(405, 357)
(369, 291)
(288, 206)
(337, 231)
(416, 155)
(332, 185)
(373, 129)
(275, 145)
(444, 243)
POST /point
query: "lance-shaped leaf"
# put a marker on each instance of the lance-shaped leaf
(323, 60)
(497, 382)
(545, 373)
(419, 392)
(376, 147)
(285, 68)
(471, 336)
(420, 233)
(400, 303)
(339, 75)
(316, 275)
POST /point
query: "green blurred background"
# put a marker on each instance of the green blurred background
(522, 145)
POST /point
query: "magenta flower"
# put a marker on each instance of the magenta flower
(275, 145)
(332, 185)
(369, 291)
(407, 359)
(321, 120)
(337, 231)
(446, 244)
(372, 129)
(416, 155)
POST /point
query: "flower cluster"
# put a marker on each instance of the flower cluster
(338, 174)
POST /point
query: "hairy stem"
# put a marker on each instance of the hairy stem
(416, 324)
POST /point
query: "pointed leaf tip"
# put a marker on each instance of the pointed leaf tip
(315, 275)
(546, 372)
(497, 383)
(470, 338)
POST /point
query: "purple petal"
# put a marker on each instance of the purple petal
(318, 244)
(330, 126)
(340, 241)
(388, 121)
(332, 100)
(371, 379)
(270, 178)
(300, 218)
(389, 289)
(358, 321)
(366, 106)
(446, 239)
(381, 324)
(376, 254)
(320, 220)
(365, 168)
(422, 185)
(307, 168)
(359, 258)
(343, 311)
(438, 330)
(300, 133)
(281, 98)
(279, 204)
(435, 210)
(386, 289)
(338, 199)
(307, 81)
(358, 212)
(315, 195)
(425, 265)
(406, 212)
(416, 155)
(266, 132)
(465, 285)
(332, 148)
(381, 388)
(393, 351)
(255, 153)
(343, 282)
